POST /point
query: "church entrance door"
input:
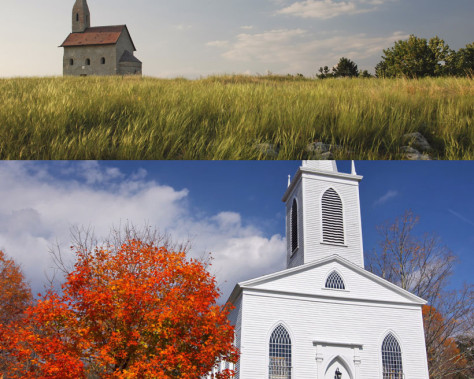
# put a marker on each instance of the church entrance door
(338, 369)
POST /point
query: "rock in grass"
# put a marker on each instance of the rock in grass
(413, 154)
(267, 149)
(417, 141)
(321, 150)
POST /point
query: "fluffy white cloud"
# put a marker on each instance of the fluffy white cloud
(297, 50)
(39, 206)
(326, 9)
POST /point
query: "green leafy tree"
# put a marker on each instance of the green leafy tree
(443, 56)
(412, 58)
(345, 68)
(324, 73)
(463, 61)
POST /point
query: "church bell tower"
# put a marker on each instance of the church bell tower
(323, 214)
(81, 17)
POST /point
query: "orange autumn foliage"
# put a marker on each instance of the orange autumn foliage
(440, 346)
(15, 293)
(137, 311)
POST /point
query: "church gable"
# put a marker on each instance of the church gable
(333, 278)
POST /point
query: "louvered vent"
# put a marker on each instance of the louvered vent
(335, 281)
(294, 226)
(333, 227)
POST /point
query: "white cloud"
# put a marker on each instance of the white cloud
(298, 50)
(383, 199)
(38, 209)
(326, 9)
(217, 43)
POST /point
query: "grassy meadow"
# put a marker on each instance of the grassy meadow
(232, 117)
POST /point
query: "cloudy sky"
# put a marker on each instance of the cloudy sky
(193, 38)
(232, 209)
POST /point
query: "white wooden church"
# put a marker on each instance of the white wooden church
(325, 316)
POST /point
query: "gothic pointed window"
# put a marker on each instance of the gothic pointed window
(392, 358)
(294, 226)
(332, 217)
(280, 354)
(335, 281)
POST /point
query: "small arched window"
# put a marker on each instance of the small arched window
(332, 217)
(88, 62)
(71, 62)
(335, 281)
(391, 358)
(77, 17)
(294, 226)
(280, 354)
(102, 60)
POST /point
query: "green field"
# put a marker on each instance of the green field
(232, 117)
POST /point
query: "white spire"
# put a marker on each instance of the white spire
(353, 171)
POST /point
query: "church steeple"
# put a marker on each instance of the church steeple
(323, 214)
(81, 17)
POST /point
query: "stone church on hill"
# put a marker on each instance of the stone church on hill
(99, 50)
(325, 316)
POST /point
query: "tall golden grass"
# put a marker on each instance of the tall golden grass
(231, 117)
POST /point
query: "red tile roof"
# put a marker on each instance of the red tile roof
(98, 35)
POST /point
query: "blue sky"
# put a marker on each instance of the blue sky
(232, 209)
(193, 38)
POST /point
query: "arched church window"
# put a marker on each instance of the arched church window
(102, 60)
(335, 281)
(294, 225)
(71, 62)
(332, 217)
(280, 354)
(88, 62)
(392, 358)
(77, 17)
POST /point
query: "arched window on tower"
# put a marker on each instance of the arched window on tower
(294, 226)
(392, 358)
(88, 62)
(335, 281)
(280, 354)
(102, 60)
(332, 217)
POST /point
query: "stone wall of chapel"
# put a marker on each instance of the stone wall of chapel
(123, 43)
(130, 68)
(80, 54)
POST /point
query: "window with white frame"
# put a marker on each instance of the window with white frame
(332, 217)
(294, 226)
(335, 281)
(280, 354)
(392, 358)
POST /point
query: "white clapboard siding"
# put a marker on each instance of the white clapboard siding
(311, 320)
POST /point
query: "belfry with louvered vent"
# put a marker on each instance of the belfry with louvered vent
(323, 214)
(325, 316)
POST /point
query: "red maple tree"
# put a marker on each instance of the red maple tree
(136, 311)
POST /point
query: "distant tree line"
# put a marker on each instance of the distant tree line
(412, 58)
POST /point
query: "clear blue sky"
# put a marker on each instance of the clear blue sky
(232, 209)
(194, 38)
